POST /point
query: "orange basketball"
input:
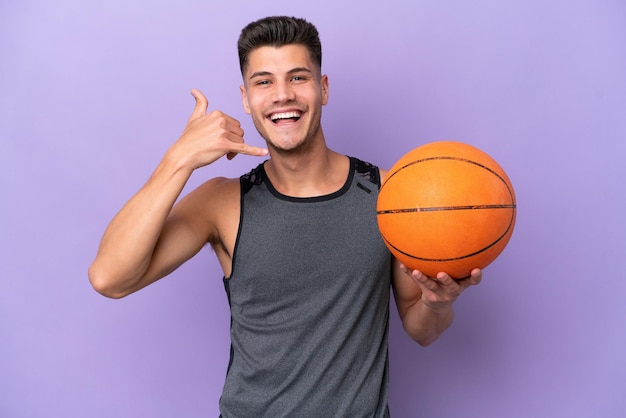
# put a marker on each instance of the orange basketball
(446, 206)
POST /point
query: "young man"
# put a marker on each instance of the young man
(306, 272)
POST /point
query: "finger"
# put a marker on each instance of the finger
(476, 276)
(444, 279)
(202, 104)
(405, 269)
(474, 279)
(235, 132)
(246, 149)
(424, 280)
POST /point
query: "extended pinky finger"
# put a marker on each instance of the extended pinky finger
(250, 150)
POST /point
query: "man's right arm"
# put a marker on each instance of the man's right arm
(147, 239)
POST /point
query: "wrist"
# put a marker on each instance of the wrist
(175, 162)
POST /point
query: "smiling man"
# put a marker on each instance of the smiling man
(285, 96)
(306, 272)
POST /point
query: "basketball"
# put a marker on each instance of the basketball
(446, 207)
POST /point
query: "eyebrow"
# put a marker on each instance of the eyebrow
(292, 71)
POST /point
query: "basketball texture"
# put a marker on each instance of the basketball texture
(446, 206)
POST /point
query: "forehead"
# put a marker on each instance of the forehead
(277, 60)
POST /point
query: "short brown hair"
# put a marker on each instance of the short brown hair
(278, 31)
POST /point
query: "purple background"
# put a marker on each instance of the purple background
(92, 94)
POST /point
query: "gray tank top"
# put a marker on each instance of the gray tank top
(309, 299)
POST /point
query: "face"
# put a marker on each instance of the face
(284, 92)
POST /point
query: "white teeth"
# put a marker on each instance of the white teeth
(285, 115)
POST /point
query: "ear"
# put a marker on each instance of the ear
(244, 99)
(324, 84)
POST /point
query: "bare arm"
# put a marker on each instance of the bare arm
(425, 303)
(149, 237)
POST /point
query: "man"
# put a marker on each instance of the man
(306, 272)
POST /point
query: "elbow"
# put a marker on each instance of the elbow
(425, 335)
(425, 342)
(420, 336)
(103, 284)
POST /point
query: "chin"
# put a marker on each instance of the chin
(289, 147)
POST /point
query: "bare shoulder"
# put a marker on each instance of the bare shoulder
(211, 206)
(216, 189)
(383, 174)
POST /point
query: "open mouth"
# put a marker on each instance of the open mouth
(278, 118)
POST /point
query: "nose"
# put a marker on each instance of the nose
(283, 92)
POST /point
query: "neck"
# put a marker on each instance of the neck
(315, 173)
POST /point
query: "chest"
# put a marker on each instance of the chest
(303, 251)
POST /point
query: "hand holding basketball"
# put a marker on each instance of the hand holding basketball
(441, 291)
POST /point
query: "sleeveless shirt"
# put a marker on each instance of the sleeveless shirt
(309, 302)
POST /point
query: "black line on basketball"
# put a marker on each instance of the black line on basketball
(508, 228)
(455, 159)
(444, 208)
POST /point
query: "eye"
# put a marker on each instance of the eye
(262, 83)
(298, 78)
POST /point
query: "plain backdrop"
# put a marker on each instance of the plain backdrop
(92, 93)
